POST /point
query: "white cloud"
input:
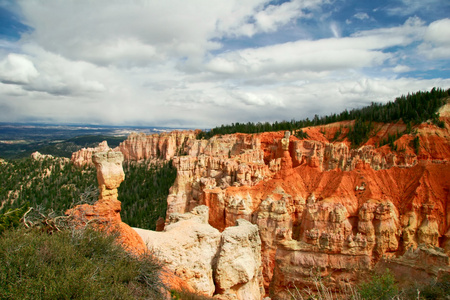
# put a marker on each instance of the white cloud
(258, 98)
(411, 7)
(361, 16)
(399, 69)
(274, 16)
(412, 30)
(46, 72)
(162, 62)
(437, 40)
(335, 30)
(84, 29)
(17, 69)
(140, 32)
(317, 56)
(439, 32)
(363, 49)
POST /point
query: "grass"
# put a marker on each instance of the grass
(73, 264)
(46, 256)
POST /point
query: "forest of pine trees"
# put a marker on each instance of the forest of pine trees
(412, 108)
(50, 183)
(55, 184)
(144, 193)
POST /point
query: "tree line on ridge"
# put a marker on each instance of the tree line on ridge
(411, 109)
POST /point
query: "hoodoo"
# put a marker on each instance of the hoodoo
(105, 213)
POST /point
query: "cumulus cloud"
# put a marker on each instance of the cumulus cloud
(437, 40)
(317, 56)
(363, 49)
(17, 69)
(412, 30)
(203, 63)
(49, 73)
(149, 31)
(257, 99)
(146, 32)
(85, 29)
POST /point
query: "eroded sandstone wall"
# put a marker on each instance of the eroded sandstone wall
(321, 204)
(84, 156)
(226, 265)
(317, 204)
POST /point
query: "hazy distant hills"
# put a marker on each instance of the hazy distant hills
(20, 140)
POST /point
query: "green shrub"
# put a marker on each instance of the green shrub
(73, 264)
(416, 144)
(185, 295)
(11, 218)
(381, 287)
(300, 134)
(436, 289)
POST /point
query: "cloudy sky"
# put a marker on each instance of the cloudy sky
(202, 63)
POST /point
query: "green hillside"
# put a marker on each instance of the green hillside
(56, 184)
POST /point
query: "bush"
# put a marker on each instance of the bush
(73, 264)
(381, 287)
(436, 289)
(11, 218)
(300, 134)
(186, 295)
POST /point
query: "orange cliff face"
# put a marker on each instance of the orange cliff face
(318, 203)
(322, 204)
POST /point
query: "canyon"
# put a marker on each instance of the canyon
(255, 215)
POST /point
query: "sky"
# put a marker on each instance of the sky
(203, 63)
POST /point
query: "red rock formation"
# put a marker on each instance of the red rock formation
(230, 160)
(105, 213)
(318, 202)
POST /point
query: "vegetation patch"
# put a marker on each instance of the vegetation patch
(144, 192)
(49, 183)
(73, 264)
(55, 184)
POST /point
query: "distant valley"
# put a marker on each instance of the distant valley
(19, 140)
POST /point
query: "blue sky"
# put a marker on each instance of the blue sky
(202, 63)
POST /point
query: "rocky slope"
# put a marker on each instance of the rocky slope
(319, 203)
(227, 264)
